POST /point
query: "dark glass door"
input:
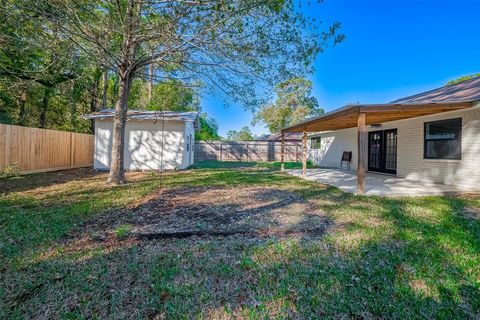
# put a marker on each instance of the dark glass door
(382, 151)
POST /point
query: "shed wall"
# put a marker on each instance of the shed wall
(143, 145)
(189, 137)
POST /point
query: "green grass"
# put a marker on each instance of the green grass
(122, 231)
(381, 258)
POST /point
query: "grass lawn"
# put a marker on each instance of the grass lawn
(72, 247)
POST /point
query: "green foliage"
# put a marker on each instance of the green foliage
(10, 171)
(463, 78)
(230, 48)
(293, 104)
(172, 95)
(45, 79)
(122, 231)
(208, 128)
(241, 135)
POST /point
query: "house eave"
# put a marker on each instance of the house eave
(347, 117)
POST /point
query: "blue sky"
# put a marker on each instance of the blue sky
(392, 49)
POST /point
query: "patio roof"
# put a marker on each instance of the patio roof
(447, 98)
(458, 96)
(347, 117)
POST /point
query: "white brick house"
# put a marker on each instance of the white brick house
(440, 146)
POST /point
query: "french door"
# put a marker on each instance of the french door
(382, 151)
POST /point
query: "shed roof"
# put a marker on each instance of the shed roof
(187, 116)
(451, 97)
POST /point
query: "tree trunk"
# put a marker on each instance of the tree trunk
(150, 84)
(125, 77)
(94, 102)
(73, 107)
(42, 121)
(73, 113)
(115, 91)
(117, 174)
(94, 94)
(21, 106)
(105, 89)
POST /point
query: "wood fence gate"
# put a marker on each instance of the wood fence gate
(246, 151)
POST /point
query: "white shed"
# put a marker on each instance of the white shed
(154, 140)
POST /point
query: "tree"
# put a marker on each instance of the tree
(208, 128)
(293, 104)
(40, 57)
(463, 78)
(241, 135)
(233, 46)
(171, 95)
(45, 80)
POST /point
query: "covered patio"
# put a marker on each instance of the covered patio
(361, 116)
(375, 184)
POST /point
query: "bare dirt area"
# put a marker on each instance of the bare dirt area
(207, 211)
(44, 180)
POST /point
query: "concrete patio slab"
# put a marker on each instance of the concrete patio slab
(377, 184)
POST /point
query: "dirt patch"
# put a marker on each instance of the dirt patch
(43, 180)
(472, 213)
(206, 211)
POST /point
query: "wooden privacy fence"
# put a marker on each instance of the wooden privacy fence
(36, 150)
(246, 151)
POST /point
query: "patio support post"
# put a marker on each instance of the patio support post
(304, 157)
(282, 153)
(362, 152)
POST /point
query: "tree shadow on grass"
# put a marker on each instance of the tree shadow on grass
(395, 276)
(42, 180)
(31, 222)
(250, 165)
(380, 258)
(67, 277)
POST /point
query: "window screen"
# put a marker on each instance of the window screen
(443, 139)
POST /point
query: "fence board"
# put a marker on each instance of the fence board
(246, 151)
(33, 149)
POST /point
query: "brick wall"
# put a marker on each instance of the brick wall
(410, 162)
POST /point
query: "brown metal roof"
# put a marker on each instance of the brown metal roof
(454, 97)
(468, 90)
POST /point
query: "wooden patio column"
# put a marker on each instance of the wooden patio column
(362, 153)
(282, 153)
(304, 154)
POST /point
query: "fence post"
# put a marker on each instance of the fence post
(72, 149)
(220, 152)
(282, 153)
(304, 154)
(8, 146)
